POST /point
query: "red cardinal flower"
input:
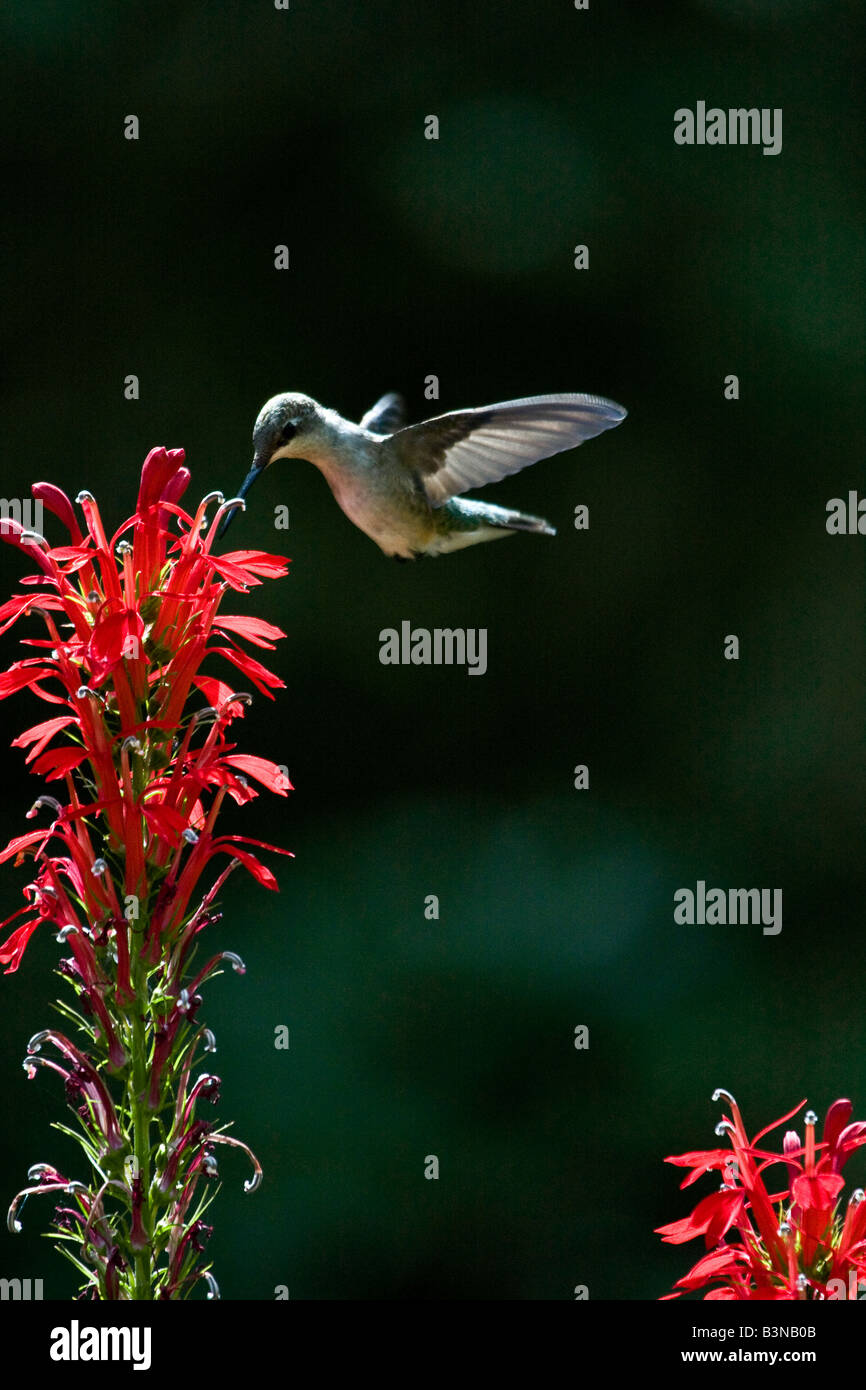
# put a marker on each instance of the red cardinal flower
(139, 739)
(140, 611)
(800, 1242)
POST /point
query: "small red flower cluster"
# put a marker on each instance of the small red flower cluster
(138, 624)
(129, 621)
(796, 1243)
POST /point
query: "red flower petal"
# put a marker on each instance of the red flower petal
(268, 773)
(176, 486)
(22, 603)
(678, 1232)
(254, 562)
(255, 630)
(702, 1161)
(711, 1218)
(41, 734)
(262, 844)
(260, 676)
(20, 675)
(117, 636)
(775, 1125)
(216, 692)
(157, 470)
(14, 946)
(21, 842)
(835, 1121)
(166, 822)
(713, 1266)
(851, 1138)
(58, 761)
(57, 502)
(817, 1191)
(259, 871)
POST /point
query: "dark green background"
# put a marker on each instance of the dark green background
(409, 257)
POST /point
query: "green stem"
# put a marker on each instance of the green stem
(138, 1090)
(141, 1116)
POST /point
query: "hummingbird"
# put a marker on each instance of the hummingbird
(402, 484)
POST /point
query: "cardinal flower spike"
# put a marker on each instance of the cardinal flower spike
(128, 862)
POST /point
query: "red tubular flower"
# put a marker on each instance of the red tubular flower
(792, 1244)
(129, 621)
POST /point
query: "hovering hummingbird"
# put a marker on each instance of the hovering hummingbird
(401, 483)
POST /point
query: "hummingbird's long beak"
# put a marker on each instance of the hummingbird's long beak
(259, 464)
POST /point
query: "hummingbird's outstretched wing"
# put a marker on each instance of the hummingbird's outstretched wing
(387, 415)
(468, 448)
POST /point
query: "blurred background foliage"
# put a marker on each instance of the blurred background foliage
(408, 257)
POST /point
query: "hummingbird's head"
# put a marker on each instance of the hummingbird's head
(286, 426)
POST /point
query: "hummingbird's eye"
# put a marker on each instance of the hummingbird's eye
(289, 430)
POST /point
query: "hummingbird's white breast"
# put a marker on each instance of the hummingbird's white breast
(376, 498)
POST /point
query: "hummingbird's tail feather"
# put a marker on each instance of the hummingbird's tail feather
(501, 518)
(467, 522)
(522, 521)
